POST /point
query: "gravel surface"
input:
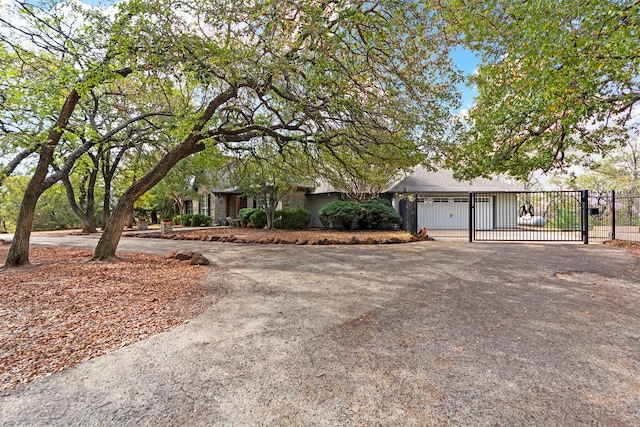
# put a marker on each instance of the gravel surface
(426, 333)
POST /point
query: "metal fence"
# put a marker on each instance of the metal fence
(552, 216)
(614, 215)
(529, 216)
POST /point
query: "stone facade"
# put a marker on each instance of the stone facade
(297, 199)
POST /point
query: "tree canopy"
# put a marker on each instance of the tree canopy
(332, 76)
(556, 78)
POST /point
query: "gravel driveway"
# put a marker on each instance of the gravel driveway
(426, 333)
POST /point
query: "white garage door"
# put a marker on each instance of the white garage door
(452, 213)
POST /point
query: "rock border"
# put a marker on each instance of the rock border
(278, 240)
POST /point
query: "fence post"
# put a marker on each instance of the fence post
(471, 216)
(414, 214)
(585, 216)
(613, 214)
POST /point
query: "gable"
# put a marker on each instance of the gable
(441, 181)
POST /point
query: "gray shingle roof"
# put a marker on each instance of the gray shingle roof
(425, 181)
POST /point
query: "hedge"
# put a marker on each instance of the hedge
(292, 219)
(375, 213)
(339, 213)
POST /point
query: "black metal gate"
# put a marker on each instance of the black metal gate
(561, 216)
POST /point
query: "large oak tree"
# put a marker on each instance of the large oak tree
(325, 74)
(556, 78)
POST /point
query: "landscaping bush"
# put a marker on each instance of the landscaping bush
(183, 219)
(258, 219)
(192, 220)
(200, 220)
(375, 213)
(339, 213)
(292, 219)
(245, 213)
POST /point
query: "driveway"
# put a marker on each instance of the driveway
(426, 333)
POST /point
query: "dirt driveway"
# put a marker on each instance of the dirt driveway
(426, 333)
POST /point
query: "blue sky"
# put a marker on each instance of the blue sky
(468, 63)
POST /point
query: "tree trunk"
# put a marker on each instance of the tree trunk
(19, 250)
(108, 243)
(87, 218)
(106, 202)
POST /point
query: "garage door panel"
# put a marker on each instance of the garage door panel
(443, 213)
(452, 213)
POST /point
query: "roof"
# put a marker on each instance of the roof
(441, 181)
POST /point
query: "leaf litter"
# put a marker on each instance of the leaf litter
(63, 310)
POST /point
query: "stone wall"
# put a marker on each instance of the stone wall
(218, 209)
(297, 199)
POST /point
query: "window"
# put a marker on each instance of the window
(460, 200)
(204, 205)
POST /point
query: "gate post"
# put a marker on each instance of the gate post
(585, 216)
(613, 214)
(414, 214)
(472, 217)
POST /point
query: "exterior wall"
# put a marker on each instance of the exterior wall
(506, 210)
(315, 203)
(297, 199)
(218, 212)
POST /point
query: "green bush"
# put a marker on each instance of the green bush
(339, 213)
(375, 213)
(192, 220)
(292, 219)
(245, 213)
(258, 219)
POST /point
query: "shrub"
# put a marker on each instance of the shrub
(183, 219)
(258, 219)
(291, 219)
(200, 220)
(245, 213)
(192, 220)
(375, 213)
(339, 213)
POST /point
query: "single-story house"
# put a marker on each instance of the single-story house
(442, 201)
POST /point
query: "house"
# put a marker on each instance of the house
(222, 203)
(442, 201)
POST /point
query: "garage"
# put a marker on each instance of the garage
(452, 213)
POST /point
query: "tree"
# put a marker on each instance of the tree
(52, 210)
(363, 175)
(268, 174)
(184, 180)
(313, 74)
(556, 78)
(60, 66)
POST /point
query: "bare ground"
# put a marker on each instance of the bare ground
(63, 310)
(419, 334)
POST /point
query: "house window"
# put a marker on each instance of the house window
(204, 205)
(188, 207)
